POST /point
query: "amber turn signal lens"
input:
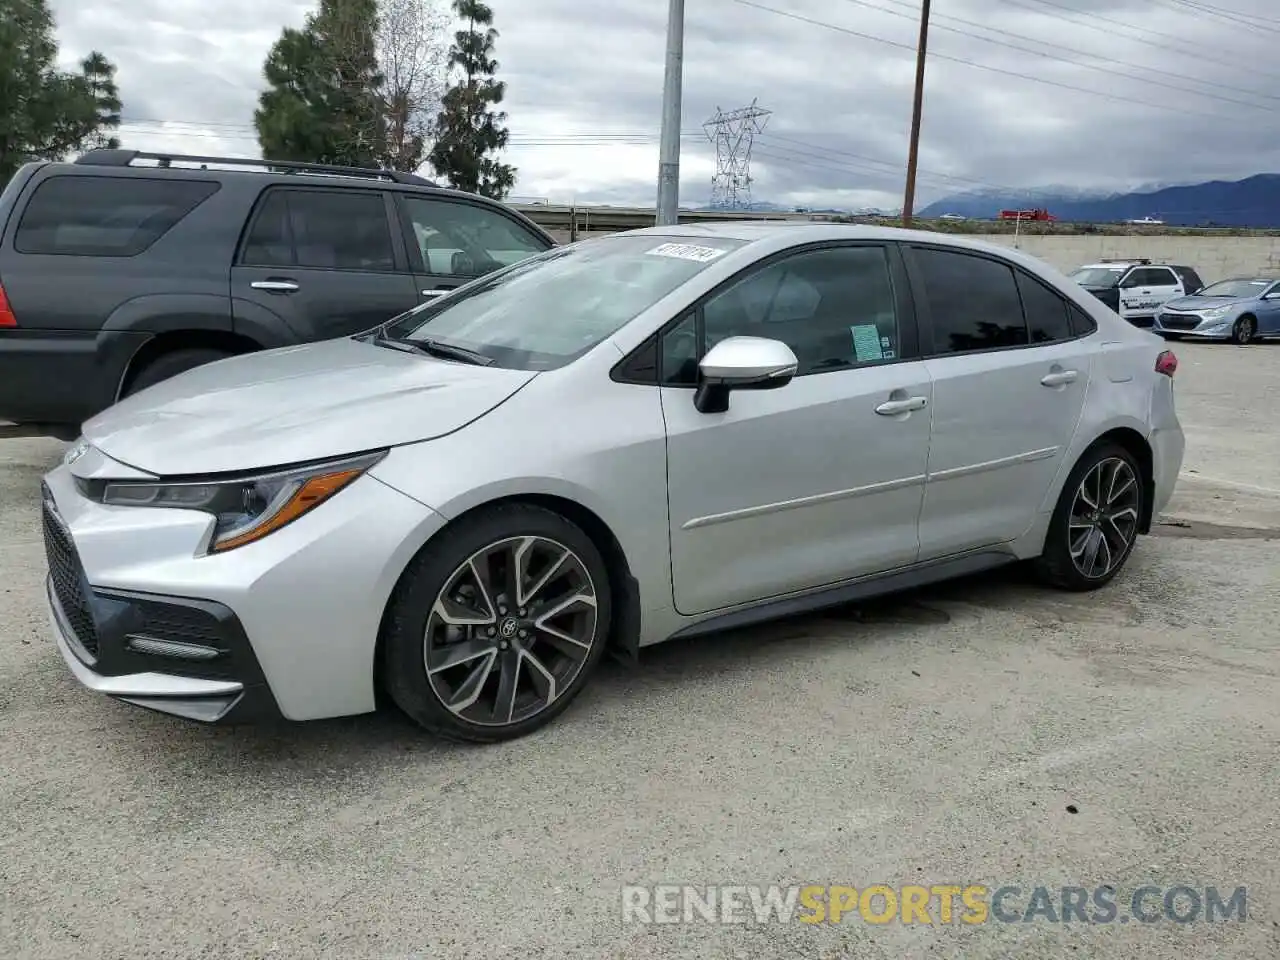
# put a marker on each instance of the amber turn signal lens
(312, 493)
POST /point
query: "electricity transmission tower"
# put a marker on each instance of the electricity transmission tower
(733, 134)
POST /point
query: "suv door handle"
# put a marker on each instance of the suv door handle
(891, 408)
(437, 291)
(275, 286)
(1060, 378)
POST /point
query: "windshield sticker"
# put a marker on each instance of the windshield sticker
(686, 251)
(867, 345)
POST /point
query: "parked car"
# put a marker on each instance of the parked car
(1243, 310)
(653, 434)
(124, 268)
(1136, 289)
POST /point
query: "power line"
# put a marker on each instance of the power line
(1108, 25)
(1119, 98)
(1230, 16)
(1078, 52)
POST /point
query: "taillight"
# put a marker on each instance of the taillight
(7, 319)
(1167, 363)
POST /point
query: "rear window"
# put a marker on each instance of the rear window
(105, 216)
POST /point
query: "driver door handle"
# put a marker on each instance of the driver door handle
(275, 286)
(1060, 377)
(436, 291)
(891, 408)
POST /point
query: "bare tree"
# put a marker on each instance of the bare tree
(413, 56)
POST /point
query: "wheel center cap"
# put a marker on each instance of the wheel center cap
(507, 629)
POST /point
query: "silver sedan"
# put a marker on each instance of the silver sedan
(654, 434)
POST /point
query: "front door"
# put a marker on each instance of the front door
(1144, 291)
(1009, 379)
(324, 262)
(818, 481)
(452, 241)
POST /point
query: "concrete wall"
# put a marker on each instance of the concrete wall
(1214, 258)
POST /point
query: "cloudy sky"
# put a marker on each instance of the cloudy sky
(1019, 93)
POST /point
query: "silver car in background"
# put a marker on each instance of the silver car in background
(1243, 310)
(654, 434)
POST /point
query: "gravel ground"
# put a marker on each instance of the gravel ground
(985, 732)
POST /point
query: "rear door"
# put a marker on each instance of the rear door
(325, 261)
(1009, 378)
(452, 240)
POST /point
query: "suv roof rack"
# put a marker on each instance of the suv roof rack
(1124, 260)
(125, 158)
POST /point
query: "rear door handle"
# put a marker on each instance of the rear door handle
(892, 408)
(1060, 378)
(275, 286)
(437, 291)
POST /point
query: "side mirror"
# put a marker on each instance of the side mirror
(742, 363)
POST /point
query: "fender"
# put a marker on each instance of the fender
(165, 312)
(256, 322)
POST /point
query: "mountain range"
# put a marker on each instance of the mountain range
(1251, 202)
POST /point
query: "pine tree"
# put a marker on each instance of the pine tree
(46, 114)
(321, 104)
(469, 131)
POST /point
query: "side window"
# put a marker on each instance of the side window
(466, 239)
(1045, 310)
(105, 216)
(270, 240)
(1081, 323)
(973, 301)
(340, 230)
(1163, 277)
(834, 307)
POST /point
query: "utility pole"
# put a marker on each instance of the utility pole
(913, 154)
(669, 152)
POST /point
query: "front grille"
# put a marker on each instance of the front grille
(68, 580)
(1172, 321)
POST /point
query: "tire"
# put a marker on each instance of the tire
(171, 364)
(1057, 565)
(1244, 330)
(441, 578)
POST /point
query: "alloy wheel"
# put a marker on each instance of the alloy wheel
(1104, 518)
(1243, 330)
(510, 630)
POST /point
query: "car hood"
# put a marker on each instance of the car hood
(1204, 303)
(296, 404)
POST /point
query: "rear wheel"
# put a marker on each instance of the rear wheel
(495, 629)
(171, 364)
(1244, 330)
(1095, 523)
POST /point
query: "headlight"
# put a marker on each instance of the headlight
(1216, 313)
(247, 508)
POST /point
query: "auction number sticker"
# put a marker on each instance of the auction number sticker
(686, 251)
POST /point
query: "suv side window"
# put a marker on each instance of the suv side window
(835, 308)
(105, 216)
(1045, 310)
(1150, 277)
(325, 229)
(973, 301)
(461, 239)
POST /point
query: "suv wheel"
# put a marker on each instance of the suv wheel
(171, 364)
(1095, 523)
(496, 627)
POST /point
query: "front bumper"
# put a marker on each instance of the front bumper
(286, 626)
(1186, 325)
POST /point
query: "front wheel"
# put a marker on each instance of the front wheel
(498, 625)
(1095, 523)
(1243, 331)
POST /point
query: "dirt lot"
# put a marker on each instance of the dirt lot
(988, 732)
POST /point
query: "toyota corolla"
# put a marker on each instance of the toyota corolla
(660, 433)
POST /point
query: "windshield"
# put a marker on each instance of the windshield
(1234, 288)
(550, 309)
(1098, 276)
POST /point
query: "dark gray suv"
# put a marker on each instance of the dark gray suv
(124, 268)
